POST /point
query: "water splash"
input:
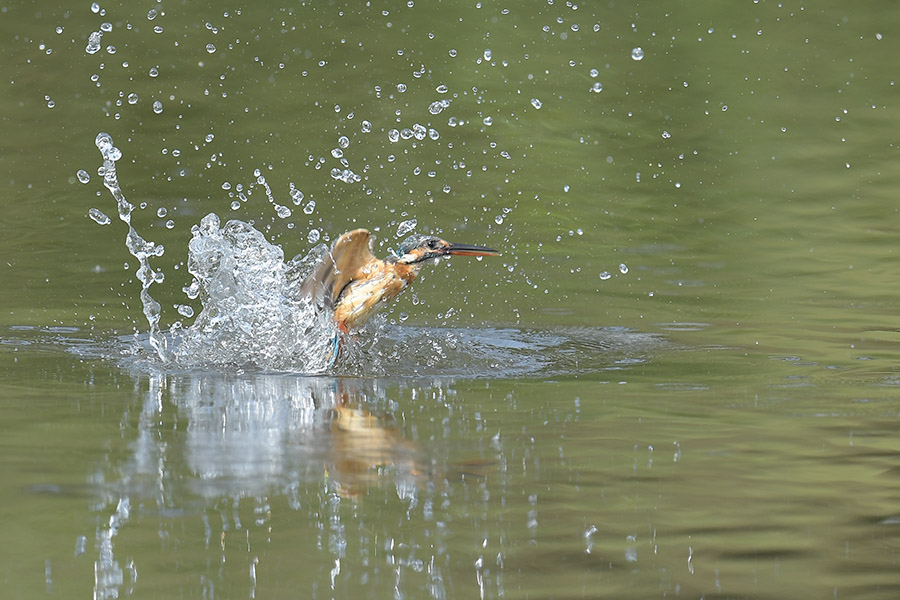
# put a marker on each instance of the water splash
(139, 248)
(252, 315)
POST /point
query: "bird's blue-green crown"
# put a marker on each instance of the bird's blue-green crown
(408, 244)
(427, 242)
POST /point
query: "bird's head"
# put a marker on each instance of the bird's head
(419, 248)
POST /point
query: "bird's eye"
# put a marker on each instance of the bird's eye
(433, 244)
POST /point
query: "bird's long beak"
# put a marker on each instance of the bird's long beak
(469, 250)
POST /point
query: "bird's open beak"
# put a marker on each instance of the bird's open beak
(469, 250)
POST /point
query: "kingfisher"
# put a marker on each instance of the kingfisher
(352, 283)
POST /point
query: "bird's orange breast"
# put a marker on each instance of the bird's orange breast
(380, 282)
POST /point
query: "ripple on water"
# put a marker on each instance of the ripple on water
(683, 326)
(253, 318)
(380, 350)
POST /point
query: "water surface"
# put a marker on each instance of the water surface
(680, 379)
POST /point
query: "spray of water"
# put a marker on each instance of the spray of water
(252, 315)
(140, 248)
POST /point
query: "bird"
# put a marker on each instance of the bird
(352, 283)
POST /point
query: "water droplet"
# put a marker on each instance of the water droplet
(154, 71)
(366, 126)
(435, 107)
(433, 134)
(111, 49)
(595, 73)
(487, 54)
(394, 135)
(488, 121)
(452, 52)
(637, 54)
(97, 215)
(310, 207)
(184, 310)
(283, 212)
(95, 7)
(536, 103)
(133, 98)
(211, 48)
(401, 87)
(348, 176)
(83, 176)
(296, 195)
(210, 137)
(313, 236)
(337, 153)
(623, 268)
(406, 227)
(597, 87)
(343, 141)
(498, 219)
(161, 212)
(59, 29)
(192, 291)
(442, 89)
(157, 106)
(666, 135)
(93, 45)
(151, 14)
(605, 275)
(235, 204)
(170, 224)
(104, 142)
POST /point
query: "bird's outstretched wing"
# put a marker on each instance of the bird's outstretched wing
(349, 258)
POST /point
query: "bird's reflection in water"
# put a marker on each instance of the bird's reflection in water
(364, 447)
(250, 434)
(203, 438)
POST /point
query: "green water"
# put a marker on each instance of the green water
(719, 421)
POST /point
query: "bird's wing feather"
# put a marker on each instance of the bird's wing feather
(350, 254)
